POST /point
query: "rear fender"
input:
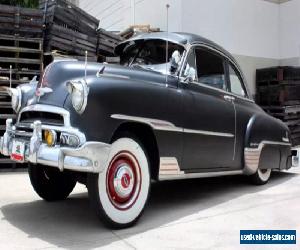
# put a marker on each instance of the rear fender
(267, 144)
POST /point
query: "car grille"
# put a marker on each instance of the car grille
(45, 118)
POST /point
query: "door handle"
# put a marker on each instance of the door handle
(229, 98)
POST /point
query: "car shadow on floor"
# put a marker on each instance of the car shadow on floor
(72, 223)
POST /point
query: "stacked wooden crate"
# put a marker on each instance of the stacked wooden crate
(21, 43)
(23, 22)
(278, 93)
(107, 42)
(69, 29)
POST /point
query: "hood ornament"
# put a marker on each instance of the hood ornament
(42, 91)
(101, 71)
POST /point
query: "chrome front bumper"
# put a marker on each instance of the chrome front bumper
(89, 157)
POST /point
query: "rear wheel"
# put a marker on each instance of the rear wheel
(261, 177)
(49, 183)
(120, 192)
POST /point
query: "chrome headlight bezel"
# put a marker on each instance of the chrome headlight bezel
(16, 98)
(79, 95)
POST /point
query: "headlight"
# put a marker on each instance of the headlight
(16, 98)
(79, 92)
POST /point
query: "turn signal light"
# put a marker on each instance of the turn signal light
(50, 137)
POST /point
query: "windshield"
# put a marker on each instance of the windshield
(150, 55)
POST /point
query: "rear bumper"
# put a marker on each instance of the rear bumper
(88, 157)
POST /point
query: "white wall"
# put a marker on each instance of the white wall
(154, 12)
(259, 33)
(113, 14)
(244, 27)
(120, 14)
(289, 30)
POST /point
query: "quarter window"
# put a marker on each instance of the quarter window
(236, 85)
(210, 68)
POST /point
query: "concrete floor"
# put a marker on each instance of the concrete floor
(192, 214)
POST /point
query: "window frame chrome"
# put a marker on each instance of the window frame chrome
(191, 47)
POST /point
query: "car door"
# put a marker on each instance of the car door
(244, 108)
(209, 116)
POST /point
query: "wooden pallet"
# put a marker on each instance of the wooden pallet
(6, 112)
(107, 42)
(68, 15)
(283, 95)
(22, 21)
(69, 41)
(25, 55)
(281, 73)
(136, 29)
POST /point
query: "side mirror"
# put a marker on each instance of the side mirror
(175, 61)
(190, 74)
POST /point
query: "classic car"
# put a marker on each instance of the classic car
(176, 107)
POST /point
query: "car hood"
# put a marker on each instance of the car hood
(57, 74)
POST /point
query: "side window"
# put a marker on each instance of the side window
(236, 85)
(210, 68)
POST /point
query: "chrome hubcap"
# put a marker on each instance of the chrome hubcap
(124, 181)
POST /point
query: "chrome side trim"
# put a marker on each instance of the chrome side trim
(167, 126)
(202, 175)
(169, 170)
(203, 132)
(50, 109)
(252, 156)
(154, 123)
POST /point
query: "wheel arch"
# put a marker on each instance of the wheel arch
(146, 135)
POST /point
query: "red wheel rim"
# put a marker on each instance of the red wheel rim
(123, 180)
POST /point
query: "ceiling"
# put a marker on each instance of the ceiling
(277, 1)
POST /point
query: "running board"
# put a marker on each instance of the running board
(170, 170)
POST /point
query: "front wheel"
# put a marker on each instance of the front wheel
(261, 176)
(120, 192)
(51, 184)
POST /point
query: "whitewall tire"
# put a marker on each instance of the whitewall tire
(261, 177)
(120, 192)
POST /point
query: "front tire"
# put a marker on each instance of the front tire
(261, 176)
(49, 183)
(120, 192)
